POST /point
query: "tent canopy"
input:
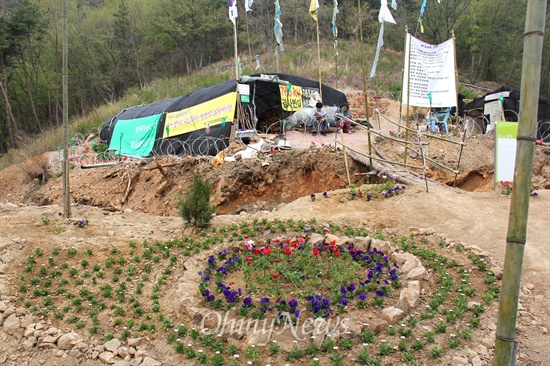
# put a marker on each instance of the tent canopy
(265, 96)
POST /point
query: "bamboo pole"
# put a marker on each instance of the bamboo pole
(248, 36)
(318, 55)
(235, 47)
(460, 156)
(402, 79)
(346, 158)
(65, 81)
(505, 343)
(408, 54)
(364, 68)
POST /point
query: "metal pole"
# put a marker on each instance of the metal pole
(506, 344)
(66, 187)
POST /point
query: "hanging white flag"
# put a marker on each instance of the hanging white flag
(383, 16)
(257, 62)
(334, 12)
(278, 27)
(233, 10)
(248, 4)
(394, 4)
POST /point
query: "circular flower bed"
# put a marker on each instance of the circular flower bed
(297, 276)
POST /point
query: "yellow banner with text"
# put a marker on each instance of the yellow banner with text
(214, 112)
(291, 98)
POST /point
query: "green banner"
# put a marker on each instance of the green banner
(135, 137)
(505, 150)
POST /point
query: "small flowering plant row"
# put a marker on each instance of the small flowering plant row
(295, 276)
(385, 190)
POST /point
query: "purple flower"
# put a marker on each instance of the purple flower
(297, 313)
(206, 277)
(403, 187)
(307, 229)
(264, 300)
(343, 301)
(326, 313)
(247, 301)
(362, 297)
(211, 260)
(325, 194)
(343, 291)
(210, 298)
(351, 287)
(206, 293)
(380, 293)
(316, 309)
(326, 302)
(369, 196)
(293, 303)
(313, 197)
(222, 269)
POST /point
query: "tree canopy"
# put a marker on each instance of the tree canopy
(115, 45)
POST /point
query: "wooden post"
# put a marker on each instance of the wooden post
(506, 343)
(235, 47)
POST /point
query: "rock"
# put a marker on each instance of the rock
(332, 238)
(384, 246)
(121, 363)
(112, 345)
(414, 285)
(377, 326)
(362, 243)
(11, 324)
(50, 339)
(58, 353)
(67, 341)
(76, 353)
(52, 331)
(392, 315)
(20, 312)
(476, 361)
(3, 306)
(418, 273)
(122, 352)
(411, 296)
(27, 345)
(488, 342)
(148, 361)
(106, 357)
(481, 349)
(472, 304)
(316, 238)
(460, 360)
(134, 342)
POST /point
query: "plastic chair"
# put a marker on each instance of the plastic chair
(440, 119)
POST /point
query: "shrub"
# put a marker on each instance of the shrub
(195, 208)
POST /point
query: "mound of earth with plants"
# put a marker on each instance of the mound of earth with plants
(322, 264)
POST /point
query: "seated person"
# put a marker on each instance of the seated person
(343, 123)
(319, 117)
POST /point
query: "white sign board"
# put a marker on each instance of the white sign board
(505, 150)
(432, 69)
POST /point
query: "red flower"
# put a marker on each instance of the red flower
(267, 250)
(336, 251)
(256, 251)
(287, 250)
(287, 241)
(245, 236)
(248, 259)
(275, 275)
(277, 261)
(316, 251)
(333, 243)
(294, 244)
